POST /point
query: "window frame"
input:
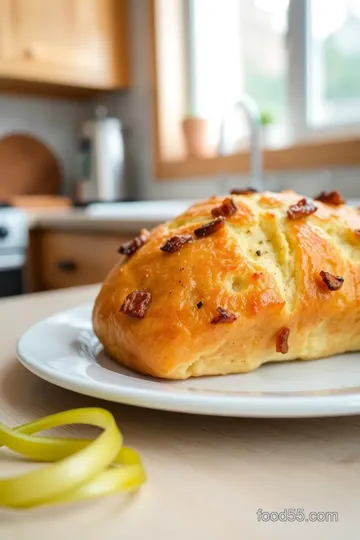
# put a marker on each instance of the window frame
(299, 94)
(311, 153)
(300, 127)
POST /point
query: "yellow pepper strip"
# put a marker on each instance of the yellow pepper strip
(81, 469)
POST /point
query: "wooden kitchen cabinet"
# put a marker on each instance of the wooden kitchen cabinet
(60, 259)
(80, 43)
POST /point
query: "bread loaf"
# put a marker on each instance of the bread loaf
(233, 283)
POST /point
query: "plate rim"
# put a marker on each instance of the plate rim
(345, 402)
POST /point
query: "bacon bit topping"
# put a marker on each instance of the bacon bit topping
(129, 248)
(330, 197)
(210, 228)
(246, 191)
(199, 305)
(176, 243)
(226, 209)
(136, 304)
(223, 316)
(282, 337)
(333, 283)
(257, 275)
(302, 208)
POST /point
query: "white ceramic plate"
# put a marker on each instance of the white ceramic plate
(63, 350)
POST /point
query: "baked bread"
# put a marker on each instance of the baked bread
(233, 283)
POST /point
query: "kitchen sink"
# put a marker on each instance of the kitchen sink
(156, 211)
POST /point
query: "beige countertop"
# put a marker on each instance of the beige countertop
(207, 476)
(126, 218)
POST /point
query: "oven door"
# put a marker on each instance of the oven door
(11, 274)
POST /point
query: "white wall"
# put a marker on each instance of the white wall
(55, 122)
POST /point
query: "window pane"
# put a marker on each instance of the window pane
(239, 47)
(263, 30)
(334, 54)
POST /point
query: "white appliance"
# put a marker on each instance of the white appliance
(101, 175)
(13, 246)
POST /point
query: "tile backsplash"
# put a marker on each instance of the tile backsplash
(310, 183)
(58, 122)
(346, 180)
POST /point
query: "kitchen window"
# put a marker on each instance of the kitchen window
(298, 59)
(333, 62)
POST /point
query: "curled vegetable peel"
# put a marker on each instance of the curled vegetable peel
(80, 469)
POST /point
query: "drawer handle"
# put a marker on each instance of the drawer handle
(28, 53)
(67, 265)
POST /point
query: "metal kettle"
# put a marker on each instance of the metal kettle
(101, 174)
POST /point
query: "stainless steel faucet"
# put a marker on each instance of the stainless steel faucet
(253, 117)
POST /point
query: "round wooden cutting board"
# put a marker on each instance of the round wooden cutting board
(27, 167)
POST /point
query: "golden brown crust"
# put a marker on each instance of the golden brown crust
(280, 288)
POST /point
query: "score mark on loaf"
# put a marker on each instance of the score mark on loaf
(276, 276)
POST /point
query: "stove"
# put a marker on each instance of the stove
(13, 247)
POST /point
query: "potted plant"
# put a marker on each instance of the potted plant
(267, 120)
(196, 135)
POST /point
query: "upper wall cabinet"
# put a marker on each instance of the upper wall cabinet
(73, 43)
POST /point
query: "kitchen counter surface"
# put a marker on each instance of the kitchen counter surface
(79, 220)
(148, 214)
(207, 477)
(127, 218)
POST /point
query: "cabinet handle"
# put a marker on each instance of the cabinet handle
(67, 265)
(28, 53)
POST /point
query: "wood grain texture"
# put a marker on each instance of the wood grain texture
(207, 476)
(44, 202)
(64, 259)
(28, 167)
(80, 43)
(51, 90)
(312, 155)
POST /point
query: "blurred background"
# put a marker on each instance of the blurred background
(117, 114)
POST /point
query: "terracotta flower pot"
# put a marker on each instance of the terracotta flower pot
(196, 132)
